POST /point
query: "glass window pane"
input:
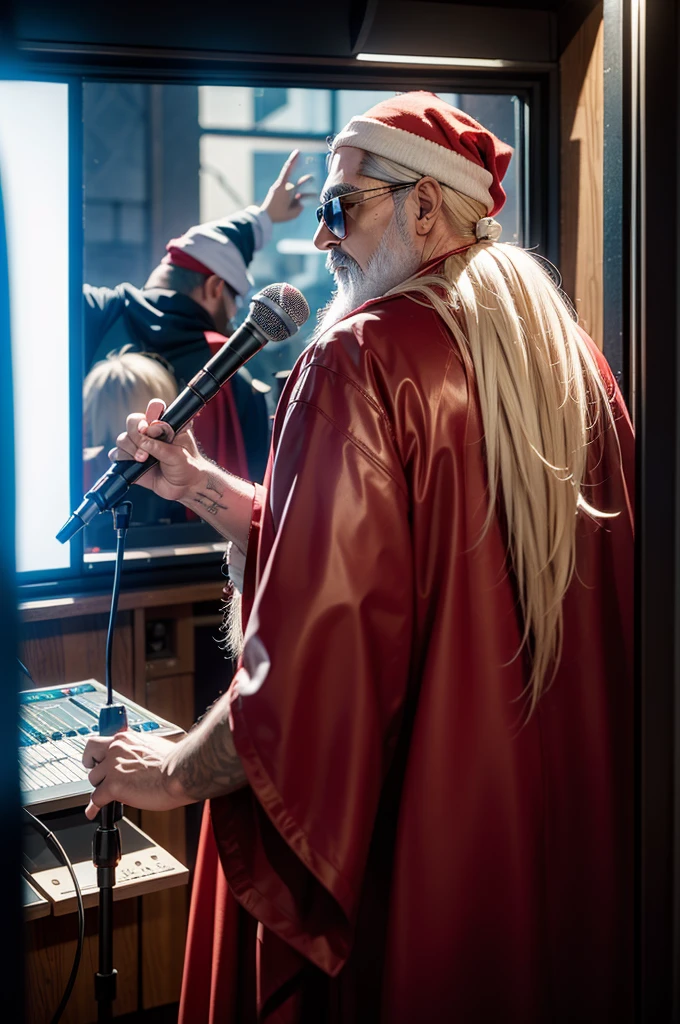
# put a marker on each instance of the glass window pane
(34, 166)
(226, 107)
(351, 102)
(159, 159)
(116, 141)
(270, 110)
(238, 171)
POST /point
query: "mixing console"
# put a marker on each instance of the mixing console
(55, 723)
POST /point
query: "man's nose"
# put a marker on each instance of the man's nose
(324, 239)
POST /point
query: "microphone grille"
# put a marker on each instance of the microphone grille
(279, 310)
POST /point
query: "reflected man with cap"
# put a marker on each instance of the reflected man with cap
(186, 308)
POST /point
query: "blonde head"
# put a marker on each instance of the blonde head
(542, 403)
(122, 383)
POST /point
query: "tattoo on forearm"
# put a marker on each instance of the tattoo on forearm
(213, 484)
(206, 502)
(207, 765)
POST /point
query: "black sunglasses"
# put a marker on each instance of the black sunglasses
(333, 212)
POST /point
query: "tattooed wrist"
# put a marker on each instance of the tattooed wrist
(211, 496)
(205, 764)
(208, 504)
(213, 483)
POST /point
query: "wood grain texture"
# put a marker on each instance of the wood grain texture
(68, 650)
(67, 643)
(582, 164)
(172, 698)
(163, 938)
(91, 604)
(165, 914)
(50, 946)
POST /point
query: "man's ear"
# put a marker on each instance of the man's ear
(214, 286)
(428, 197)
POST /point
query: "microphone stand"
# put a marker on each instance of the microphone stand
(106, 844)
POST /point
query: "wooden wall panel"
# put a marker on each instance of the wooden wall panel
(149, 948)
(172, 698)
(582, 160)
(66, 650)
(50, 946)
(164, 915)
(181, 658)
(163, 947)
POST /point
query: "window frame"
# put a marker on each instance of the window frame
(535, 86)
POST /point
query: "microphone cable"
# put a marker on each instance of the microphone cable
(122, 514)
(61, 855)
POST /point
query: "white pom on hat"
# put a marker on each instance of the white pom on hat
(488, 230)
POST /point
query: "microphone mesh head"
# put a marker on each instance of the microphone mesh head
(290, 311)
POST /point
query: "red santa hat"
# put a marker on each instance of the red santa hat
(422, 132)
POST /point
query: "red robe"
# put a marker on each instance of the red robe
(414, 849)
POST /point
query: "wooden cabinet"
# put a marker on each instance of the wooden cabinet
(154, 664)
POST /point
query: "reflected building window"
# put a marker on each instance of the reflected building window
(116, 145)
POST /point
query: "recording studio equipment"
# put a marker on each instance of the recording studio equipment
(144, 866)
(276, 313)
(55, 723)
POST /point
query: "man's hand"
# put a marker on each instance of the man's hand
(155, 774)
(131, 768)
(284, 200)
(181, 466)
(184, 475)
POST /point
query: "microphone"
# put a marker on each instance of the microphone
(275, 314)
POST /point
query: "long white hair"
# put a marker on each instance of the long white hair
(542, 403)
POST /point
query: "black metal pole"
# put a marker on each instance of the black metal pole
(106, 845)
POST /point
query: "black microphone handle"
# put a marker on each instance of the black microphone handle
(112, 486)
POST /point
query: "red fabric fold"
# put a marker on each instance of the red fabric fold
(209, 983)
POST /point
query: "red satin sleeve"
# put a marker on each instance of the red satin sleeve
(250, 572)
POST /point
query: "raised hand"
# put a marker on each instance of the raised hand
(284, 199)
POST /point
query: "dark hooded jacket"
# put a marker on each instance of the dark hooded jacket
(173, 326)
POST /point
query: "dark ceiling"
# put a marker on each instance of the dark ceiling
(527, 5)
(532, 31)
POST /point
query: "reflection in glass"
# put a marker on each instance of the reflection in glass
(159, 159)
(272, 110)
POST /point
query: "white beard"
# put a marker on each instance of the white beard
(394, 261)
